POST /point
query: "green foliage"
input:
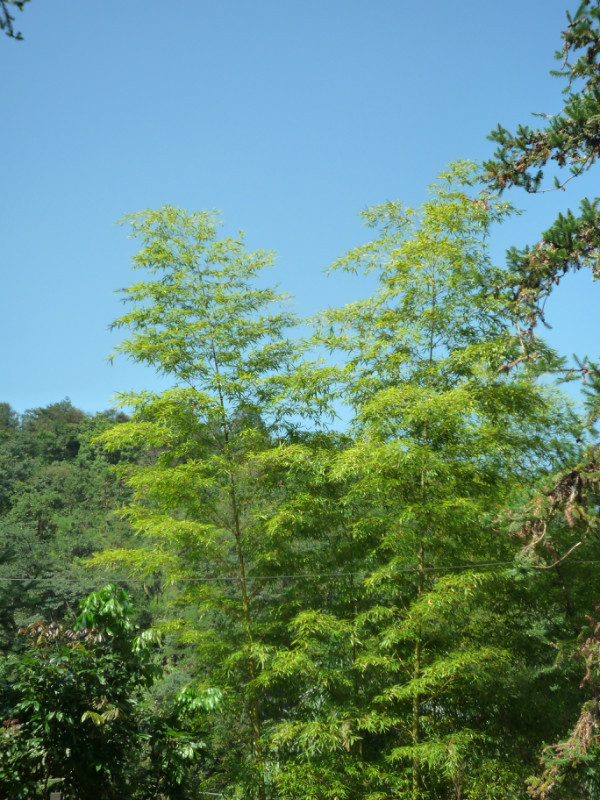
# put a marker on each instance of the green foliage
(74, 716)
(57, 501)
(376, 669)
(69, 703)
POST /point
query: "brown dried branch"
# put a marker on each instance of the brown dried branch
(567, 497)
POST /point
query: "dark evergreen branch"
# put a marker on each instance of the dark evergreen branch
(6, 18)
(572, 137)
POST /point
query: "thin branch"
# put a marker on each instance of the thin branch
(560, 560)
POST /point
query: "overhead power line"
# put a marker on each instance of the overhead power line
(482, 565)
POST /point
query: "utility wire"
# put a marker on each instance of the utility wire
(297, 576)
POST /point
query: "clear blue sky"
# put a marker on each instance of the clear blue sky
(289, 116)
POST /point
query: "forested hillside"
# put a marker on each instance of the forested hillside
(57, 500)
(224, 590)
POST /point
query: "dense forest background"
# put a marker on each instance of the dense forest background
(358, 564)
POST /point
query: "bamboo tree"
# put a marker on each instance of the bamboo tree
(441, 441)
(200, 320)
